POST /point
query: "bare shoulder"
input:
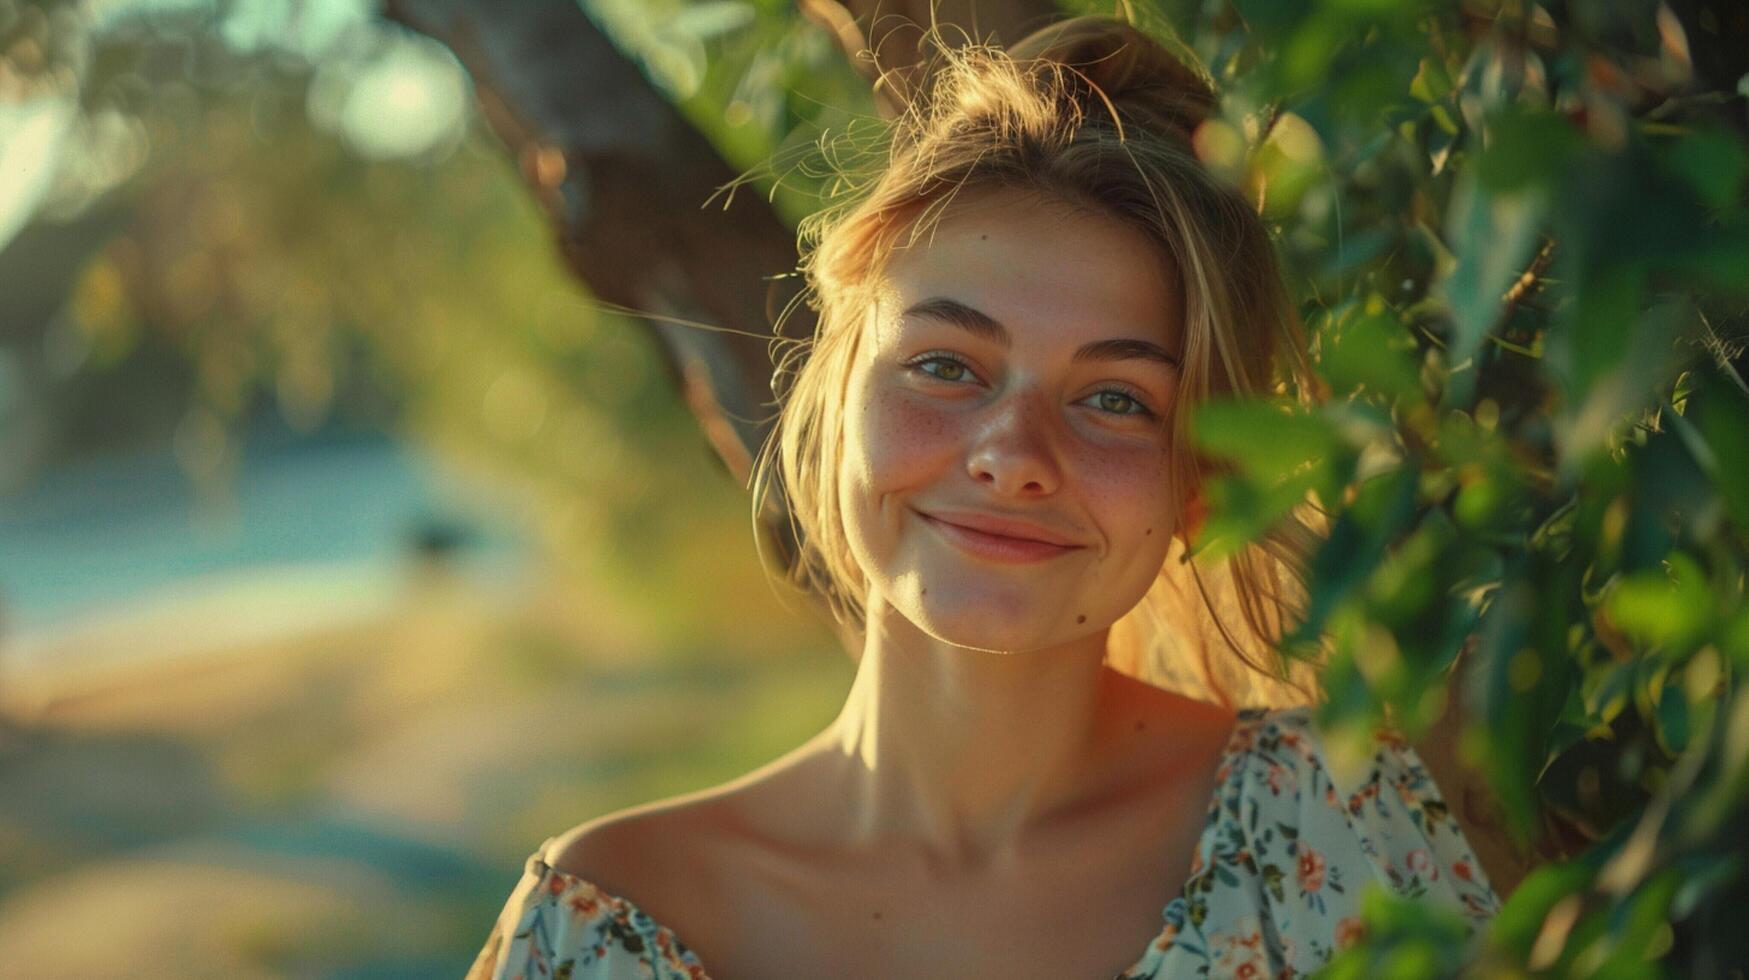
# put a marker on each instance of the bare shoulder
(684, 861)
(674, 852)
(602, 849)
(641, 852)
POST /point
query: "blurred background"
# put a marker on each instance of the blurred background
(348, 550)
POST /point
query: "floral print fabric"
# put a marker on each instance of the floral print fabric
(561, 926)
(1274, 887)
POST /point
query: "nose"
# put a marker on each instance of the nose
(1014, 454)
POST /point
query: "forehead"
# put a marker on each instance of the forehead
(1037, 263)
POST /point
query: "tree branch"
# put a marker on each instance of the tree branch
(624, 177)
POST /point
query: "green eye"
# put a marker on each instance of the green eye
(1112, 401)
(1119, 401)
(952, 369)
(1116, 401)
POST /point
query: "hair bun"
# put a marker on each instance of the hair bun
(1146, 82)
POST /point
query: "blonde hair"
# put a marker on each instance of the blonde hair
(1097, 113)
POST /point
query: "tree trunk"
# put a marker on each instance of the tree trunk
(624, 177)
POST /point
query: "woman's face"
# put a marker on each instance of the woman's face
(1019, 366)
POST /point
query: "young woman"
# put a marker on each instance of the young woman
(1058, 727)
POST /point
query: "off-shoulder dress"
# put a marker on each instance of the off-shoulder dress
(1274, 887)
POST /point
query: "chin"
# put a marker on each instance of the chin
(980, 622)
(985, 641)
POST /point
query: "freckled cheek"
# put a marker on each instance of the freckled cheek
(1126, 488)
(902, 439)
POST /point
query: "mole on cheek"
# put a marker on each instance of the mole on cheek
(1080, 619)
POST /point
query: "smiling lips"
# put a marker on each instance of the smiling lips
(998, 539)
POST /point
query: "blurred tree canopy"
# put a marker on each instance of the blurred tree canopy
(1517, 231)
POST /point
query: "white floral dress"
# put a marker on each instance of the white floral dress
(1274, 888)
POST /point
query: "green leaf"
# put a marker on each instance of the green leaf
(1269, 20)
(710, 18)
(1241, 509)
(1524, 678)
(1371, 352)
(1521, 918)
(1527, 151)
(1596, 336)
(1432, 82)
(1382, 507)
(1637, 924)
(1659, 607)
(1723, 264)
(1606, 691)
(1672, 729)
(1701, 876)
(1309, 51)
(1289, 163)
(1265, 442)
(1442, 118)
(1734, 637)
(1711, 160)
(1478, 502)
(1407, 937)
(1493, 237)
(1720, 410)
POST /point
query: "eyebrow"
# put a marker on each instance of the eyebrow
(955, 313)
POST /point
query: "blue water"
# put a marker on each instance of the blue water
(121, 526)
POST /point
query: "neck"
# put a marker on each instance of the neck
(957, 753)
